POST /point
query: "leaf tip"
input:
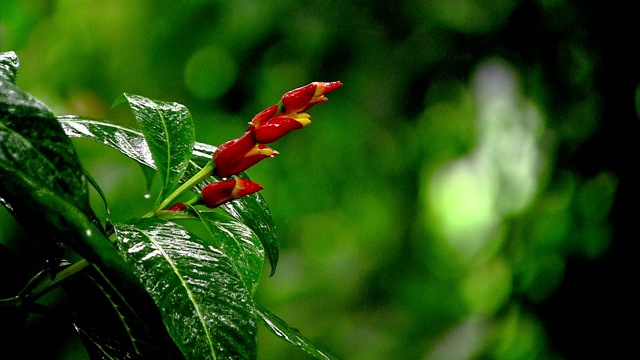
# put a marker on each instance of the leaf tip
(121, 99)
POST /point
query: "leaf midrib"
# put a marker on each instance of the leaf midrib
(165, 183)
(189, 293)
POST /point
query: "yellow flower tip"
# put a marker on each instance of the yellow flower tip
(303, 118)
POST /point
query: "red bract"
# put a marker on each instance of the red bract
(237, 155)
(303, 98)
(218, 193)
(269, 125)
(178, 207)
(257, 153)
(279, 126)
(276, 121)
(264, 115)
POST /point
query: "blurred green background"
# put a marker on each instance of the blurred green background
(464, 195)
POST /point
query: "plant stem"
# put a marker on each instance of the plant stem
(204, 173)
(42, 284)
(48, 284)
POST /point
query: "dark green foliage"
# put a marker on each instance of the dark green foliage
(202, 287)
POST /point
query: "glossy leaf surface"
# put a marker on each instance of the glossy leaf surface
(204, 302)
(251, 210)
(9, 65)
(128, 141)
(170, 135)
(44, 212)
(280, 328)
(238, 242)
(33, 143)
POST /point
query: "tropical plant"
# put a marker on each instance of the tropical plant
(176, 282)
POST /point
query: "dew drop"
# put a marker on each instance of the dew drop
(147, 195)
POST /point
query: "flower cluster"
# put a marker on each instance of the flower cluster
(269, 125)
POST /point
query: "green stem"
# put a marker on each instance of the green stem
(41, 284)
(64, 275)
(204, 173)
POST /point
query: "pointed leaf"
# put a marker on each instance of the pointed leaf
(137, 334)
(98, 189)
(169, 132)
(129, 142)
(100, 347)
(9, 65)
(115, 331)
(238, 242)
(251, 210)
(289, 334)
(33, 143)
(148, 174)
(204, 302)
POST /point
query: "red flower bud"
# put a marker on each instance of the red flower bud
(303, 98)
(264, 115)
(279, 126)
(297, 99)
(178, 207)
(272, 123)
(218, 193)
(323, 88)
(257, 153)
(237, 155)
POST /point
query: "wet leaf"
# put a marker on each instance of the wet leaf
(45, 213)
(9, 65)
(116, 331)
(33, 143)
(289, 334)
(204, 302)
(251, 210)
(100, 347)
(238, 242)
(168, 129)
(129, 142)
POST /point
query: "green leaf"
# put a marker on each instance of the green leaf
(116, 331)
(47, 214)
(289, 334)
(239, 243)
(33, 143)
(129, 142)
(148, 174)
(169, 132)
(9, 65)
(204, 302)
(98, 189)
(104, 348)
(251, 210)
